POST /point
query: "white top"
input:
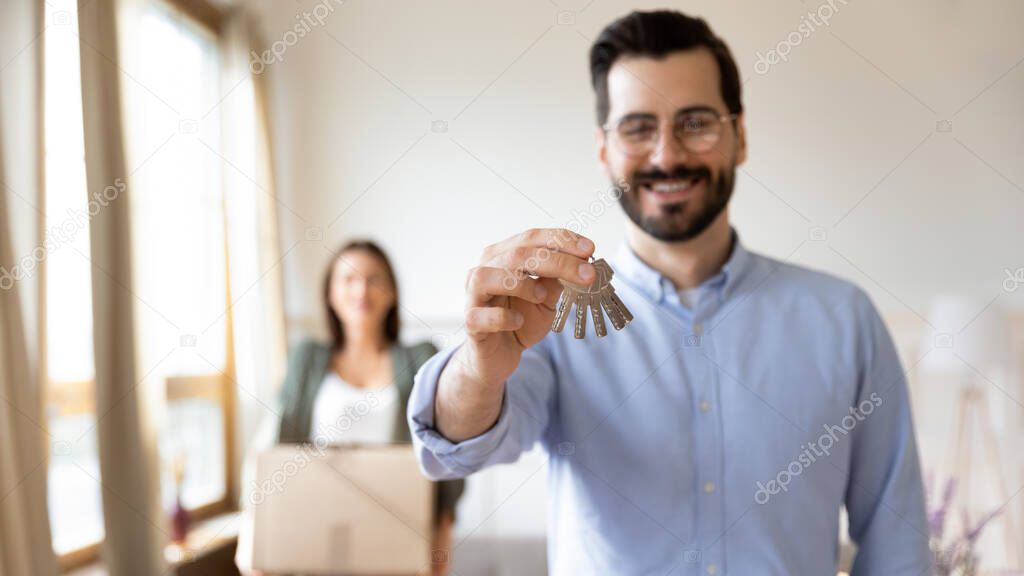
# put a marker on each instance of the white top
(343, 413)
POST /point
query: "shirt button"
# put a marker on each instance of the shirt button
(698, 328)
(705, 405)
(711, 569)
(709, 487)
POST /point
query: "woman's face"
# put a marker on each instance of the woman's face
(360, 292)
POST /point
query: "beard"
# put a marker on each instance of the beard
(675, 222)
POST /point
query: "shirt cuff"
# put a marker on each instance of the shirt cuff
(461, 458)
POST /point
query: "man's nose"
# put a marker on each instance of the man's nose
(668, 152)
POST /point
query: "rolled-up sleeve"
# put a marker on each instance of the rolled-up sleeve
(885, 495)
(525, 411)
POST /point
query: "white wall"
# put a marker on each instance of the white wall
(843, 139)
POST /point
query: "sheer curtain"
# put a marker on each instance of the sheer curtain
(24, 528)
(254, 252)
(133, 518)
(256, 275)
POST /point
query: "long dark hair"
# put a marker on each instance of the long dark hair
(334, 323)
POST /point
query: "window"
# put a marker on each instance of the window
(76, 511)
(179, 226)
(172, 127)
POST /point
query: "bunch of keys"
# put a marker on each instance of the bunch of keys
(600, 294)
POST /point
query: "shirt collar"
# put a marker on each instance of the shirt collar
(652, 283)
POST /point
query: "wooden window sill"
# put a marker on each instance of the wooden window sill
(207, 538)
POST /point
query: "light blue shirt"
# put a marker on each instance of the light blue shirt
(719, 440)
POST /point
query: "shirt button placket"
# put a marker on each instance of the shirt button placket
(712, 497)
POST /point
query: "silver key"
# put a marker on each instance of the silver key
(594, 303)
(563, 311)
(599, 297)
(580, 329)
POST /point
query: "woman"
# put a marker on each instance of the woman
(355, 387)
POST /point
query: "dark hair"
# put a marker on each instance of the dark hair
(334, 324)
(657, 34)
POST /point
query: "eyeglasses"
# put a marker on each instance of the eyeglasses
(698, 131)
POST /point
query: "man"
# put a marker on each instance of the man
(722, 431)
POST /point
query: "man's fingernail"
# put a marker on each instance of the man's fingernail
(540, 291)
(518, 318)
(585, 245)
(586, 271)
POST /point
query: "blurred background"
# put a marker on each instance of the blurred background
(254, 138)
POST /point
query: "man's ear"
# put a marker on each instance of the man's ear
(741, 140)
(601, 141)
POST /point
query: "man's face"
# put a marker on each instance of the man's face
(673, 193)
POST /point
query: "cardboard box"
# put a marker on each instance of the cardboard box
(352, 510)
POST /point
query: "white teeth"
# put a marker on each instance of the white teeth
(668, 187)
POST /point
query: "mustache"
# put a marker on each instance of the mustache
(677, 173)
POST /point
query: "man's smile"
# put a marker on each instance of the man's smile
(673, 190)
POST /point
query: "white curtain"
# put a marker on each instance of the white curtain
(24, 530)
(135, 523)
(25, 546)
(254, 254)
(256, 282)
